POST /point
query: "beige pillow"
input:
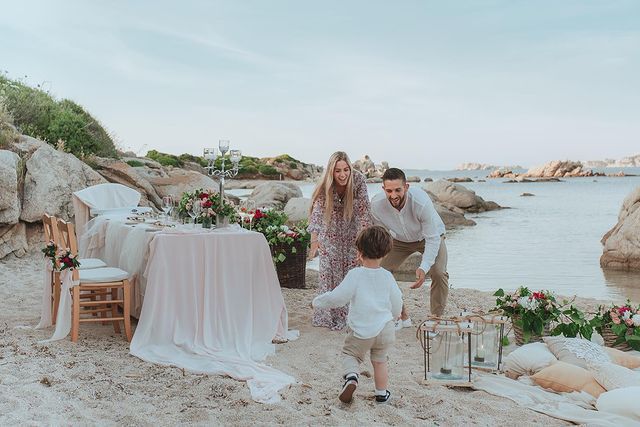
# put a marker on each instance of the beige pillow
(565, 378)
(622, 401)
(623, 359)
(577, 351)
(528, 359)
(612, 376)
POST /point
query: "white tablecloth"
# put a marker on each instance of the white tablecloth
(212, 301)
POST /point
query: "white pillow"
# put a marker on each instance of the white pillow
(577, 351)
(621, 401)
(528, 360)
(612, 376)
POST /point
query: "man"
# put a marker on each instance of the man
(415, 226)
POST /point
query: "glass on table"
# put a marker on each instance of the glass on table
(167, 206)
(195, 211)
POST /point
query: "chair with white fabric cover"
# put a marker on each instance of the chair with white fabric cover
(106, 281)
(69, 240)
(102, 198)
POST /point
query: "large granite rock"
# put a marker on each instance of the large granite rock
(120, 172)
(559, 169)
(177, 181)
(275, 194)
(52, 176)
(369, 168)
(297, 209)
(455, 194)
(622, 243)
(9, 197)
(13, 240)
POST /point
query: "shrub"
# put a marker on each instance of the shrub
(135, 163)
(267, 170)
(194, 159)
(293, 165)
(7, 133)
(36, 113)
(164, 159)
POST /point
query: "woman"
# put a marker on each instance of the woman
(339, 210)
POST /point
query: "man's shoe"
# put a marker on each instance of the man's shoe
(383, 399)
(350, 385)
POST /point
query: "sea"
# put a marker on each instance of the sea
(550, 240)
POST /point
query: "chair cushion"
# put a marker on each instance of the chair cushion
(89, 263)
(102, 275)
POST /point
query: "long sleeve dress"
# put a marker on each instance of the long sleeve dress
(337, 246)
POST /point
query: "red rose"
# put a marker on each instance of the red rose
(203, 196)
(207, 204)
(66, 260)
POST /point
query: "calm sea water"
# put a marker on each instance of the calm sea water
(548, 241)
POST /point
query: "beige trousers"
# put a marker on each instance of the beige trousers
(437, 272)
(355, 349)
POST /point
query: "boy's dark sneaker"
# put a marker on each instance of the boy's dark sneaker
(383, 399)
(350, 385)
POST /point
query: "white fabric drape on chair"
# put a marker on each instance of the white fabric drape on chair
(102, 196)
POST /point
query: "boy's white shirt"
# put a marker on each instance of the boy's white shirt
(373, 296)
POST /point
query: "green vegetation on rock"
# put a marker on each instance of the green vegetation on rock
(135, 163)
(63, 124)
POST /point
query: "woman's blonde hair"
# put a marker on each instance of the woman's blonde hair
(326, 185)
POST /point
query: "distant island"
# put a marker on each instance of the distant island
(625, 162)
(483, 166)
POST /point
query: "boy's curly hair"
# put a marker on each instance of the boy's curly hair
(374, 242)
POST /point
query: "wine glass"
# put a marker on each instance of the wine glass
(251, 211)
(223, 145)
(167, 206)
(197, 210)
(242, 212)
(192, 211)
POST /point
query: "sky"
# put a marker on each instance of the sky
(421, 84)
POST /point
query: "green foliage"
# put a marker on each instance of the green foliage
(7, 133)
(36, 113)
(267, 170)
(272, 223)
(135, 163)
(164, 159)
(194, 159)
(248, 170)
(622, 320)
(573, 323)
(293, 165)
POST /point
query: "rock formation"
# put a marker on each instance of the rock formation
(275, 194)
(449, 193)
(621, 244)
(369, 168)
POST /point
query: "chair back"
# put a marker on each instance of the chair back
(67, 236)
(50, 224)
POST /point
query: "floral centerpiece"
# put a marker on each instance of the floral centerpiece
(211, 208)
(619, 325)
(288, 244)
(533, 313)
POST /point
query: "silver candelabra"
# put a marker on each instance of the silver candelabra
(210, 156)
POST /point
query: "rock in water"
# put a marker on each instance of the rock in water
(622, 243)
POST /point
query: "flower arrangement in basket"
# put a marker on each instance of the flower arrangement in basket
(210, 207)
(533, 313)
(288, 244)
(619, 326)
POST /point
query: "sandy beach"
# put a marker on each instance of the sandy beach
(87, 382)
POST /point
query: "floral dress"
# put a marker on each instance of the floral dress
(337, 246)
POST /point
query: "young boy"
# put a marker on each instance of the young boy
(374, 303)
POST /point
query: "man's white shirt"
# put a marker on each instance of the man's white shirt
(416, 220)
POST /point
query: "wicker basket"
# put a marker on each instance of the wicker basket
(517, 331)
(291, 271)
(609, 338)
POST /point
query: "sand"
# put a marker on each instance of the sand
(96, 381)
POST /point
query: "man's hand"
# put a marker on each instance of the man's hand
(420, 276)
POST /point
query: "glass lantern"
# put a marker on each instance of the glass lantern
(445, 349)
(486, 340)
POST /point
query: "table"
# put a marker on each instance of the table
(211, 301)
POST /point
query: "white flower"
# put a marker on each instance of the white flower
(284, 228)
(626, 315)
(523, 302)
(636, 319)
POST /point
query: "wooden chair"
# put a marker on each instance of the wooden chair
(68, 239)
(50, 224)
(106, 282)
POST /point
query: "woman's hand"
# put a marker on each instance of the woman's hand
(313, 250)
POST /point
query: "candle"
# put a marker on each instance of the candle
(480, 353)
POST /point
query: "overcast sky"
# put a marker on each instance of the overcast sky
(421, 84)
